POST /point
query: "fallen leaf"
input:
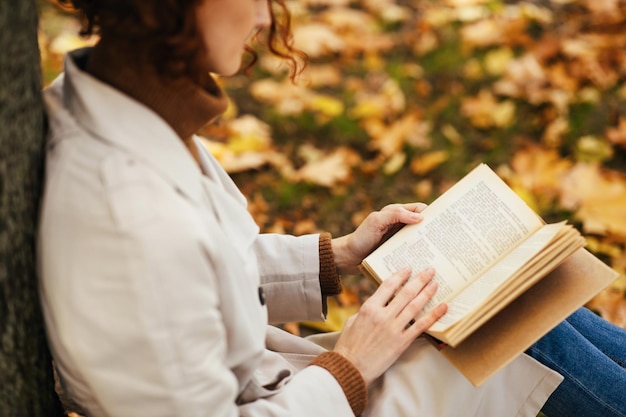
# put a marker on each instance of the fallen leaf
(540, 172)
(330, 169)
(321, 75)
(394, 164)
(317, 39)
(286, 97)
(423, 164)
(391, 139)
(498, 60)
(592, 148)
(484, 111)
(554, 132)
(598, 197)
(326, 106)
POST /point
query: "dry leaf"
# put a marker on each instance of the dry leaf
(326, 106)
(541, 170)
(484, 111)
(422, 165)
(482, 33)
(598, 197)
(317, 39)
(555, 131)
(344, 19)
(330, 169)
(394, 164)
(391, 139)
(321, 76)
(286, 97)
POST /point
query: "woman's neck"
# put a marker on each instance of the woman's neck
(185, 105)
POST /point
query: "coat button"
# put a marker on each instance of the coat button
(261, 296)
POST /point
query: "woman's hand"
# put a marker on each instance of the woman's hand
(349, 250)
(386, 324)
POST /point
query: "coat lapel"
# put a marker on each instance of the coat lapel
(118, 119)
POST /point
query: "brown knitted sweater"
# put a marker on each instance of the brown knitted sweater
(187, 106)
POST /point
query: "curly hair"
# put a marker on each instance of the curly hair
(168, 31)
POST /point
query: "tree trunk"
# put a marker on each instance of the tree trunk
(26, 378)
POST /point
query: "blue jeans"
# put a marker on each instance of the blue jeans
(590, 353)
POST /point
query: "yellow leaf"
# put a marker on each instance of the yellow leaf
(395, 163)
(497, 60)
(423, 164)
(472, 69)
(527, 196)
(368, 108)
(598, 196)
(539, 170)
(452, 134)
(249, 134)
(592, 149)
(327, 106)
(336, 317)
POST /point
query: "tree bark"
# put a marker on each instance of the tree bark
(26, 377)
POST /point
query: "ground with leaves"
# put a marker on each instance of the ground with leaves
(403, 97)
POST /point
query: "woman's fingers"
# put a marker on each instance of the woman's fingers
(413, 309)
(383, 295)
(411, 300)
(403, 299)
(411, 291)
(417, 326)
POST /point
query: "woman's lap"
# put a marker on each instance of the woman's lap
(423, 382)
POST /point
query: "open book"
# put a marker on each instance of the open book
(490, 252)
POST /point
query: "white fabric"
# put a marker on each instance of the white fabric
(150, 269)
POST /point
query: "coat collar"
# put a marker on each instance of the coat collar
(116, 118)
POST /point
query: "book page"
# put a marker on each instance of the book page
(481, 289)
(464, 232)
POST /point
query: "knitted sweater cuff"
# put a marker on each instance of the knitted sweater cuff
(348, 376)
(329, 278)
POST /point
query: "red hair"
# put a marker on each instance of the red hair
(167, 29)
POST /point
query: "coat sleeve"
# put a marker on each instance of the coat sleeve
(289, 269)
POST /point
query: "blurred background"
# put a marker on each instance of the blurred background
(401, 98)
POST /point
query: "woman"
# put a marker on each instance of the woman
(157, 287)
